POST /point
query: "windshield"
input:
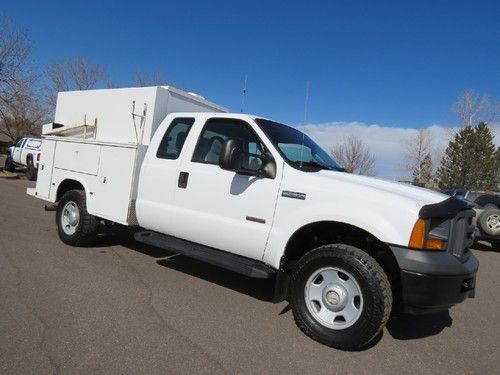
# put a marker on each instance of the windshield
(298, 149)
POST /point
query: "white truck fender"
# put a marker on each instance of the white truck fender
(376, 225)
(68, 178)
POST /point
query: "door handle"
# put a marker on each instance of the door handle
(183, 180)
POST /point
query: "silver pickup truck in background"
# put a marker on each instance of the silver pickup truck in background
(486, 204)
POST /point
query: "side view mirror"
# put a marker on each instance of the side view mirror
(233, 157)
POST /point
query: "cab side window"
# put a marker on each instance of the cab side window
(34, 143)
(174, 138)
(216, 131)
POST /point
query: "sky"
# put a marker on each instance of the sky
(392, 64)
(387, 143)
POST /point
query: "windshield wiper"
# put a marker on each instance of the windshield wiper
(313, 164)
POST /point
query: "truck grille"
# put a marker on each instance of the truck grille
(461, 235)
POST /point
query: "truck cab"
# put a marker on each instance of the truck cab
(266, 191)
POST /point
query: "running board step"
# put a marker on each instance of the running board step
(245, 266)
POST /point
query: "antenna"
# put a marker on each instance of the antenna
(306, 101)
(305, 120)
(244, 93)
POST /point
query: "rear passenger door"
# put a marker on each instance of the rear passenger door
(159, 178)
(223, 209)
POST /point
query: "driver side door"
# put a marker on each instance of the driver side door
(223, 209)
(17, 151)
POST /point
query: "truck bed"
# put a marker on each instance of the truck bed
(108, 171)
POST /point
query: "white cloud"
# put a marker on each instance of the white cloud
(387, 143)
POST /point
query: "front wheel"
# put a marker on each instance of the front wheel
(9, 164)
(75, 226)
(340, 296)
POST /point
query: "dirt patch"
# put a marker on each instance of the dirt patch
(10, 175)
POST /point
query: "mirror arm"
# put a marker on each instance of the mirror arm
(248, 172)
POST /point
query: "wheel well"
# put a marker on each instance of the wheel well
(329, 232)
(66, 186)
(486, 198)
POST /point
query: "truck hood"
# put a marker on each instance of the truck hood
(419, 196)
(388, 210)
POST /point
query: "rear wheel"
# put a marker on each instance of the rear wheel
(75, 226)
(9, 164)
(340, 296)
(31, 172)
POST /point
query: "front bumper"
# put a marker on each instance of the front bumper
(433, 281)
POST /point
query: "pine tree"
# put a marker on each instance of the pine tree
(498, 169)
(470, 161)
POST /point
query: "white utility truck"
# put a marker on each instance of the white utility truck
(259, 198)
(25, 153)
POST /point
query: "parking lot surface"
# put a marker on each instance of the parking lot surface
(122, 307)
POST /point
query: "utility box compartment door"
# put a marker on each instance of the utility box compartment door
(44, 179)
(113, 188)
(77, 157)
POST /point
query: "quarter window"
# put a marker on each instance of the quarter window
(174, 138)
(216, 131)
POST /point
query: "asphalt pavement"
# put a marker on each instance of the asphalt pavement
(122, 307)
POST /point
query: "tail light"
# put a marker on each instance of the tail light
(38, 157)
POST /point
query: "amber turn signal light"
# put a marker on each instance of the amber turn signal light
(433, 244)
(417, 238)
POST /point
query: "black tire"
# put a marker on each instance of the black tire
(87, 226)
(9, 164)
(487, 218)
(375, 288)
(31, 171)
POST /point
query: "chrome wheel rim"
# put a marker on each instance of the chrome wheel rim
(333, 297)
(493, 222)
(70, 218)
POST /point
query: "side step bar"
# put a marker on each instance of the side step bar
(249, 267)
